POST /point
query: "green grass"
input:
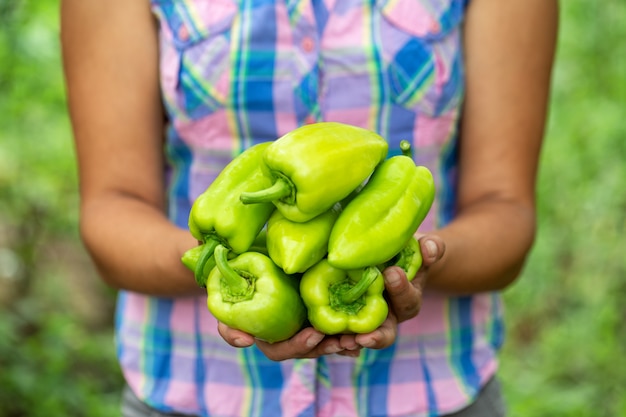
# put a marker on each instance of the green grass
(566, 328)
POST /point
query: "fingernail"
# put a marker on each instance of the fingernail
(368, 343)
(240, 342)
(332, 349)
(393, 279)
(314, 340)
(431, 248)
(350, 353)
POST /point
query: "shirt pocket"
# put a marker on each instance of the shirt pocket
(195, 54)
(421, 53)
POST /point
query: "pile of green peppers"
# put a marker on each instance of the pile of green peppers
(297, 232)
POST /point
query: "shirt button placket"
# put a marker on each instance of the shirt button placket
(309, 46)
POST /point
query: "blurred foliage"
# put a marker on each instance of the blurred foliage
(566, 352)
(57, 356)
(564, 355)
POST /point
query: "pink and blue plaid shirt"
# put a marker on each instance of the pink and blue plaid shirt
(238, 72)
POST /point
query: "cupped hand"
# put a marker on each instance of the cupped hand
(307, 343)
(404, 298)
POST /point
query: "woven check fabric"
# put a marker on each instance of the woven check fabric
(238, 72)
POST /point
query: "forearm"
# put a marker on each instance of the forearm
(486, 247)
(110, 56)
(135, 247)
(509, 49)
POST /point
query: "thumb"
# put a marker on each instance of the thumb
(433, 247)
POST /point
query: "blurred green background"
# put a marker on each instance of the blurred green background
(566, 346)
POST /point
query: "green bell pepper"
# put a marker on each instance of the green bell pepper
(219, 217)
(317, 165)
(409, 259)
(344, 302)
(382, 218)
(295, 247)
(252, 294)
(191, 257)
(260, 243)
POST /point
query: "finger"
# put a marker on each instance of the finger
(382, 337)
(350, 353)
(348, 342)
(404, 297)
(234, 337)
(305, 344)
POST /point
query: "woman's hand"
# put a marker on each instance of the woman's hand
(307, 343)
(404, 298)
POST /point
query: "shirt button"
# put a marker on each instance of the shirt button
(308, 44)
(183, 33)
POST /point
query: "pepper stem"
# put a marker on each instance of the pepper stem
(207, 251)
(235, 283)
(356, 291)
(405, 147)
(281, 189)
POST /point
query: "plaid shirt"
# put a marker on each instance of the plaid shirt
(238, 72)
